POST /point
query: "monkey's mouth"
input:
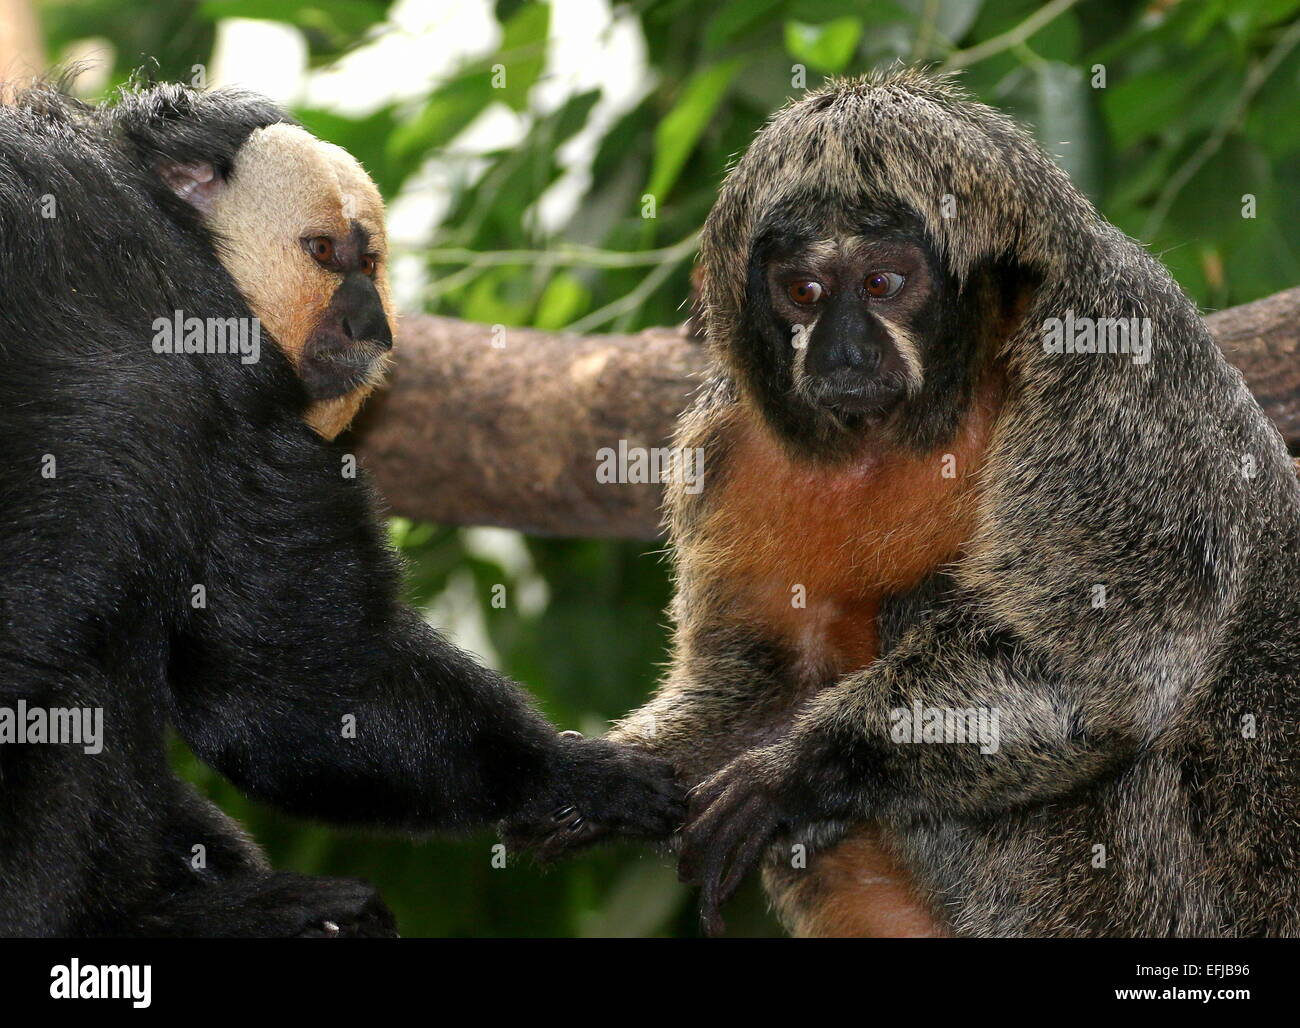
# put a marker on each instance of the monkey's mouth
(334, 367)
(854, 395)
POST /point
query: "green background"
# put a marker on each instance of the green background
(1199, 108)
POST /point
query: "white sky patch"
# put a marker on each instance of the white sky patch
(590, 48)
(422, 43)
(267, 57)
(96, 55)
(457, 613)
(507, 548)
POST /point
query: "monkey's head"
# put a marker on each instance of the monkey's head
(300, 227)
(870, 253)
(296, 221)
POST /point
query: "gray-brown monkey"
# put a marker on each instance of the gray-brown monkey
(918, 511)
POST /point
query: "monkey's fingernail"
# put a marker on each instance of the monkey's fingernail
(577, 823)
(571, 734)
(563, 813)
(330, 928)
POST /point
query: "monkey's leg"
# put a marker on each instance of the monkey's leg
(215, 883)
(207, 845)
(272, 904)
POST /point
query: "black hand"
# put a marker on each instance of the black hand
(598, 789)
(734, 817)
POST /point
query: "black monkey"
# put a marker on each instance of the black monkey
(178, 547)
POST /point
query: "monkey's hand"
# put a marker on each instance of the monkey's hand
(599, 789)
(735, 815)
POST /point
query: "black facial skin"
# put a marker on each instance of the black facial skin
(856, 380)
(354, 331)
(853, 366)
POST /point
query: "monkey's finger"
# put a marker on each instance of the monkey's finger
(711, 922)
(701, 833)
(549, 844)
(710, 790)
(731, 851)
(563, 842)
(752, 846)
(713, 834)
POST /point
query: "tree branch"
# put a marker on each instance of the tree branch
(472, 433)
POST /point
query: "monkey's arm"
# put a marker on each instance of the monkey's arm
(721, 696)
(851, 754)
(308, 682)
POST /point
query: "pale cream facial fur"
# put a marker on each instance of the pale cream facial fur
(287, 186)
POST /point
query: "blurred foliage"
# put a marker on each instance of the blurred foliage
(1168, 114)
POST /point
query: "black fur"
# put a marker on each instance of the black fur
(180, 470)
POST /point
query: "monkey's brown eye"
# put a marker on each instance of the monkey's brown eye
(368, 264)
(805, 292)
(321, 248)
(880, 284)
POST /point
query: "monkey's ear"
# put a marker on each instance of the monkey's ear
(197, 184)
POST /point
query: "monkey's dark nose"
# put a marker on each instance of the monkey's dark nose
(368, 327)
(854, 356)
(360, 312)
(849, 361)
(846, 341)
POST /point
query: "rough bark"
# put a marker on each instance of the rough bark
(472, 433)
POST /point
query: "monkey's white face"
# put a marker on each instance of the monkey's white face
(300, 228)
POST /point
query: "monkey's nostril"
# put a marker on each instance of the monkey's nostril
(858, 358)
(846, 356)
(347, 327)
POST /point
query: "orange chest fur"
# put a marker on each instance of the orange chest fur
(810, 552)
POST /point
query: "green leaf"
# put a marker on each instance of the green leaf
(1209, 206)
(489, 301)
(329, 26)
(735, 18)
(1154, 102)
(523, 53)
(446, 113)
(562, 301)
(680, 130)
(826, 48)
